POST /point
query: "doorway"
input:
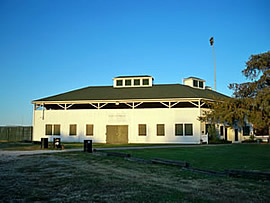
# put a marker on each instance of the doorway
(236, 135)
(117, 134)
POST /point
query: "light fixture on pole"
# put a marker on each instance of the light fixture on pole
(212, 44)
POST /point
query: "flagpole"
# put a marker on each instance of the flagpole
(214, 67)
(212, 44)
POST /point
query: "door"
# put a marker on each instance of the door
(117, 134)
(226, 133)
(236, 135)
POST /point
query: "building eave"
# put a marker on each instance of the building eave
(122, 101)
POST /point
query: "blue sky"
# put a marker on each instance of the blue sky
(53, 46)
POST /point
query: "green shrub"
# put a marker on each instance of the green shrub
(219, 141)
(212, 133)
(249, 141)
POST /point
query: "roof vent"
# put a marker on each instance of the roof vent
(195, 82)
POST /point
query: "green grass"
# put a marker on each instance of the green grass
(236, 156)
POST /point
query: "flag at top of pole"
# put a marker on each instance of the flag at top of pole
(211, 41)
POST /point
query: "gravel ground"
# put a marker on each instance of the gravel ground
(12, 155)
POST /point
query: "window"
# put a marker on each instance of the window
(72, 129)
(127, 82)
(188, 129)
(221, 131)
(56, 129)
(142, 129)
(195, 83)
(119, 82)
(89, 130)
(52, 129)
(137, 82)
(160, 130)
(201, 84)
(145, 81)
(246, 130)
(48, 129)
(178, 129)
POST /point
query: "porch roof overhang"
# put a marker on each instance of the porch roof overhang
(122, 101)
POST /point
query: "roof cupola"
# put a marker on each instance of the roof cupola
(133, 81)
(194, 82)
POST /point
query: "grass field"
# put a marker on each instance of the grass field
(84, 177)
(236, 156)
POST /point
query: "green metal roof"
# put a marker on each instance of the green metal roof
(170, 91)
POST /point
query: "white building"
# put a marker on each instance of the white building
(133, 110)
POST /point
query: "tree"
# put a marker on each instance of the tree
(250, 101)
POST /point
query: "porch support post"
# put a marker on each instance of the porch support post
(34, 114)
(43, 109)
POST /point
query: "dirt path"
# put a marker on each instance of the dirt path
(11, 155)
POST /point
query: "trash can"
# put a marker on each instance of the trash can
(44, 143)
(87, 147)
(57, 142)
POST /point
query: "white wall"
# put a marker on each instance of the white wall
(188, 82)
(131, 117)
